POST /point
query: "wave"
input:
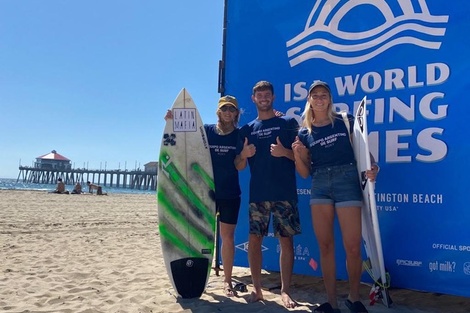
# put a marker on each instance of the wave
(12, 184)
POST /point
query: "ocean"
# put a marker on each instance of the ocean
(11, 184)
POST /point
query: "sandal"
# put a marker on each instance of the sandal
(356, 307)
(326, 308)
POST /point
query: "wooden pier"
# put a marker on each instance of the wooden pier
(134, 179)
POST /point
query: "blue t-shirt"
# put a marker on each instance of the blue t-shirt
(272, 178)
(329, 145)
(223, 152)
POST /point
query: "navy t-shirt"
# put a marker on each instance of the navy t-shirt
(329, 145)
(223, 152)
(272, 178)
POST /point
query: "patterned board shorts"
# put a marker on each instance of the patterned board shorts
(286, 221)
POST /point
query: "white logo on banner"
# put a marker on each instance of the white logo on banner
(244, 247)
(466, 268)
(322, 39)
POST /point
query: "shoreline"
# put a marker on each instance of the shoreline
(70, 253)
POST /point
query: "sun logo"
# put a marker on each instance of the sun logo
(330, 35)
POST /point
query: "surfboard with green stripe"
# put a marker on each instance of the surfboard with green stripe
(185, 198)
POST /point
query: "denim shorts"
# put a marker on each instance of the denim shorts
(338, 185)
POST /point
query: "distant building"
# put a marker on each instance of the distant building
(151, 167)
(53, 161)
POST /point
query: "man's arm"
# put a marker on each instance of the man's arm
(241, 159)
(278, 150)
(301, 158)
(240, 162)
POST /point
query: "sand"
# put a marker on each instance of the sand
(88, 253)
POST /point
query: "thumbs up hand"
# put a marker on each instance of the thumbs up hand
(277, 149)
(300, 151)
(248, 151)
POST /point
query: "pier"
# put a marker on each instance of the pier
(133, 179)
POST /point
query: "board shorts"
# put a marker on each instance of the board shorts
(228, 210)
(99, 191)
(338, 185)
(286, 221)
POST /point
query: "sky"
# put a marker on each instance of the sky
(93, 79)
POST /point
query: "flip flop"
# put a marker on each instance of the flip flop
(356, 307)
(326, 308)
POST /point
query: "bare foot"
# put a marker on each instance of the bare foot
(287, 300)
(228, 290)
(255, 296)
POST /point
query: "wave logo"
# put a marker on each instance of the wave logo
(331, 36)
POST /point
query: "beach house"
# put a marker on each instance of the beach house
(53, 161)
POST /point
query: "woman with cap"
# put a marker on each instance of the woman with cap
(323, 150)
(223, 137)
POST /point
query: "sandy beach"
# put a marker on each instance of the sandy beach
(88, 253)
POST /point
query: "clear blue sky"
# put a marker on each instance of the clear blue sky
(93, 79)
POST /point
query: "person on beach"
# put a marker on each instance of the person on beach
(223, 138)
(335, 190)
(98, 188)
(77, 189)
(266, 148)
(60, 188)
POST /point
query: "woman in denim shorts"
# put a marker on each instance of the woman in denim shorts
(323, 150)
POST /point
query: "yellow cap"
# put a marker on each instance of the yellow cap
(228, 100)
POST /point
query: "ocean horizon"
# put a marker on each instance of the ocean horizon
(14, 184)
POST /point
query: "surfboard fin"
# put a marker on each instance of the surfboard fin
(377, 293)
(379, 290)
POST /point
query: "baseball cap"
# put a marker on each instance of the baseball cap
(317, 83)
(228, 100)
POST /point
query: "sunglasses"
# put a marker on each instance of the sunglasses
(319, 97)
(228, 107)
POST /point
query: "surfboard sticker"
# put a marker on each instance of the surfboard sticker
(370, 224)
(186, 205)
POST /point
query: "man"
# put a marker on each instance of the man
(266, 147)
(60, 187)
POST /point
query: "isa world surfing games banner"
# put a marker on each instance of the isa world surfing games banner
(410, 58)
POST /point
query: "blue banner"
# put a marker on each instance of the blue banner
(409, 57)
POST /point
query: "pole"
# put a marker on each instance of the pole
(217, 247)
(221, 90)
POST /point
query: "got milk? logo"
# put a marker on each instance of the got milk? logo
(326, 37)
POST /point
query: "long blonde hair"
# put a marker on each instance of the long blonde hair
(308, 116)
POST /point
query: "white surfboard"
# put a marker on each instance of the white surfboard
(370, 223)
(185, 197)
